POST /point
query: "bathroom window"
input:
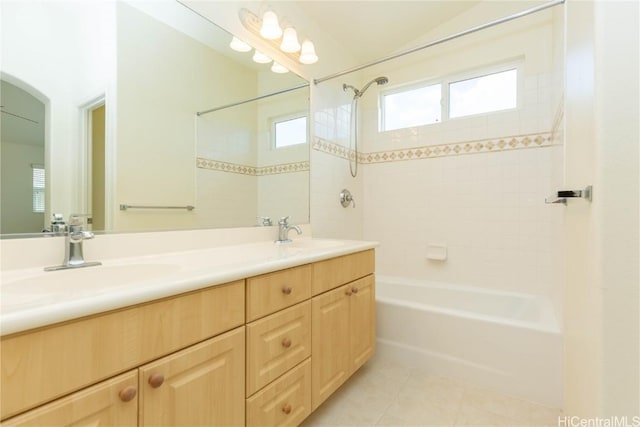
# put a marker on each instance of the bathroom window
(484, 94)
(485, 90)
(413, 107)
(37, 177)
(288, 131)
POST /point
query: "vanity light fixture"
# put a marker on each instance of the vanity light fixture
(238, 45)
(270, 29)
(277, 68)
(261, 58)
(290, 43)
(308, 53)
(287, 42)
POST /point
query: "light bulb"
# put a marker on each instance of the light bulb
(238, 45)
(270, 29)
(308, 53)
(261, 58)
(277, 68)
(290, 43)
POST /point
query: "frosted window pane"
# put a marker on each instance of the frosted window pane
(414, 107)
(291, 132)
(484, 94)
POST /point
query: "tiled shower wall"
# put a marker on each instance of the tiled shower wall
(330, 170)
(475, 185)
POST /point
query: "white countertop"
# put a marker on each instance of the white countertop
(32, 298)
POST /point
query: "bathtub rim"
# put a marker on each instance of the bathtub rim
(548, 323)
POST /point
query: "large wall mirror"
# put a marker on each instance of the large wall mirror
(99, 104)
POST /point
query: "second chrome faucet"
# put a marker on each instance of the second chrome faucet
(283, 230)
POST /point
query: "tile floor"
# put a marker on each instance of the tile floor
(386, 393)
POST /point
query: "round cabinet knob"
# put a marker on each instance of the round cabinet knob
(156, 380)
(286, 408)
(354, 290)
(128, 393)
(286, 290)
(286, 343)
(348, 292)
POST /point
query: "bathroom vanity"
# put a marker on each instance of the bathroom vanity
(261, 349)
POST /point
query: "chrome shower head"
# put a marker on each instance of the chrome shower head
(378, 80)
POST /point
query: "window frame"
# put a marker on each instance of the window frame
(446, 81)
(285, 118)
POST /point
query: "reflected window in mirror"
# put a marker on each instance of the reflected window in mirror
(290, 130)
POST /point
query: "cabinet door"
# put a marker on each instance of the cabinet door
(110, 403)
(202, 385)
(362, 321)
(330, 365)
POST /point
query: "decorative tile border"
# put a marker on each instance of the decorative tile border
(515, 142)
(325, 146)
(219, 165)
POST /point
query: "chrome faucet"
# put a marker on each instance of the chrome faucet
(283, 230)
(74, 236)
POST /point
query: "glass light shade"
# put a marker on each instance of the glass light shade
(277, 68)
(270, 29)
(261, 58)
(308, 53)
(290, 43)
(238, 45)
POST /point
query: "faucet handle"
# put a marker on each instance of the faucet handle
(265, 221)
(76, 219)
(284, 220)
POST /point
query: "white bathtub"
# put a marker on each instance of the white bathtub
(505, 341)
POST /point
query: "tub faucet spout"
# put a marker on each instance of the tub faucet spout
(283, 230)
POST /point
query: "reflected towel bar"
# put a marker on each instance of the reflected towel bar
(125, 207)
(561, 196)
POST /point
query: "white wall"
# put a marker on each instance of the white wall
(602, 327)
(46, 46)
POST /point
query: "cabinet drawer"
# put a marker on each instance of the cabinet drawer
(272, 292)
(286, 402)
(335, 272)
(110, 403)
(76, 354)
(277, 343)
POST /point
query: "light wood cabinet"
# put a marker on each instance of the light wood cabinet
(198, 358)
(80, 353)
(285, 402)
(110, 403)
(271, 292)
(276, 344)
(343, 335)
(199, 386)
(362, 316)
(334, 272)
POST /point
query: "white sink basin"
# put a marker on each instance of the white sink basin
(39, 288)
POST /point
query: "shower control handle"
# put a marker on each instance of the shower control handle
(346, 198)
